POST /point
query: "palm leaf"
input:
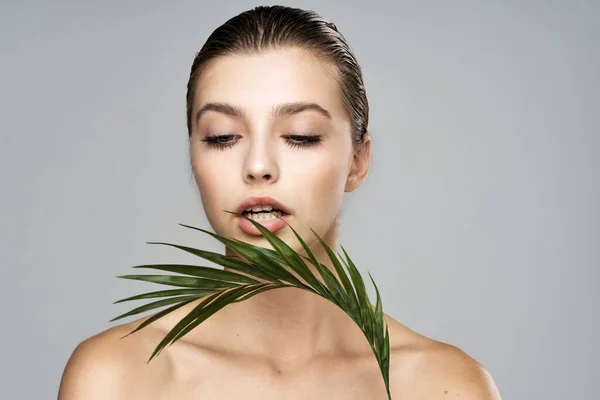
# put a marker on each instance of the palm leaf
(158, 316)
(167, 293)
(200, 271)
(289, 255)
(155, 304)
(258, 258)
(181, 281)
(220, 259)
(261, 269)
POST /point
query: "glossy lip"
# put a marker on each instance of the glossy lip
(273, 225)
(253, 201)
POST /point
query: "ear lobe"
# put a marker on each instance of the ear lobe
(360, 164)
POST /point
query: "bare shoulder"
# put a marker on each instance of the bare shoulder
(111, 366)
(421, 367)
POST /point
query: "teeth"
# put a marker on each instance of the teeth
(264, 216)
(266, 207)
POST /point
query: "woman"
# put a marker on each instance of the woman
(277, 119)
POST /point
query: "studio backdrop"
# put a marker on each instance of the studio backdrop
(478, 220)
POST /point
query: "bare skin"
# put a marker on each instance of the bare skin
(284, 343)
(218, 360)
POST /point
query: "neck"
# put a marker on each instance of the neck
(290, 324)
(287, 324)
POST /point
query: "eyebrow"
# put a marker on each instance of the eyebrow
(288, 109)
(281, 110)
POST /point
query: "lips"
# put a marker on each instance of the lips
(272, 224)
(254, 201)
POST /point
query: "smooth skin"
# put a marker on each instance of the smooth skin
(284, 343)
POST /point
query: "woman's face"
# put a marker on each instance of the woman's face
(273, 124)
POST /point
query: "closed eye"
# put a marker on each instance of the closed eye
(297, 141)
(225, 141)
(220, 141)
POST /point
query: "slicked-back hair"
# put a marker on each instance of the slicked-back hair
(277, 27)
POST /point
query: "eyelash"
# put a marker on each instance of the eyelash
(294, 141)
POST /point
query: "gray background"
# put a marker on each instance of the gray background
(478, 219)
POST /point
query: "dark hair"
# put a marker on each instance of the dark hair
(268, 27)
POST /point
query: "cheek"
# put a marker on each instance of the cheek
(321, 186)
(204, 174)
(330, 181)
(213, 178)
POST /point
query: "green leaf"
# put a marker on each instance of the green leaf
(257, 257)
(348, 289)
(364, 304)
(155, 304)
(197, 270)
(271, 259)
(181, 281)
(336, 293)
(217, 288)
(289, 255)
(168, 293)
(223, 301)
(181, 324)
(269, 271)
(201, 312)
(332, 289)
(378, 309)
(260, 290)
(220, 259)
(158, 315)
(355, 305)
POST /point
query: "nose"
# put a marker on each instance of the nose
(260, 165)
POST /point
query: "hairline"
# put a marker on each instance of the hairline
(330, 67)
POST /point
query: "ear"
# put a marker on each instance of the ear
(360, 164)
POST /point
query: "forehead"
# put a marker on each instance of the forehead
(258, 82)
